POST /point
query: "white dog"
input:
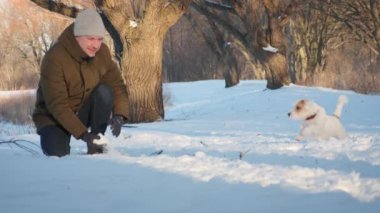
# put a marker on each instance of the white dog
(316, 123)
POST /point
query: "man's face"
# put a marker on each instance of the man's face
(89, 44)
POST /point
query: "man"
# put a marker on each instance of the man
(80, 87)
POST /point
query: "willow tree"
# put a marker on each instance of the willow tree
(138, 29)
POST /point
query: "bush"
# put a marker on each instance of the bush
(17, 108)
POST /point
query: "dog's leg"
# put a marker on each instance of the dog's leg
(300, 136)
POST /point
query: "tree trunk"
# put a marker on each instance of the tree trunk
(232, 74)
(142, 65)
(278, 74)
(231, 79)
(141, 62)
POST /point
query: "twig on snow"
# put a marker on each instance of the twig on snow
(242, 153)
(18, 143)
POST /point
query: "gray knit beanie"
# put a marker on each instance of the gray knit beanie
(89, 23)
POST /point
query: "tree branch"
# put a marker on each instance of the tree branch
(58, 7)
(17, 143)
(218, 20)
(218, 5)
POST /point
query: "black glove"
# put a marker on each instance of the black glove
(116, 122)
(92, 148)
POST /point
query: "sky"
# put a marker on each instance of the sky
(218, 150)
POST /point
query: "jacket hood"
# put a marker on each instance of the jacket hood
(67, 39)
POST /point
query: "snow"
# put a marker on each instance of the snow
(219, 150)
(269, 48)
(133, 23)
(102, 140)
(15, 93)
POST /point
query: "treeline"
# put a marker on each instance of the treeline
(330, 43)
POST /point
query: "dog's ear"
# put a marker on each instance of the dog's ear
(300, 105)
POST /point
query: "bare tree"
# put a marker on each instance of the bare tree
(138, 28)
(187, 55)
(361, 18)
(218, 40)
(356, 21)
(320, 45)
(312, 34)
(260, 35)
(25, 37)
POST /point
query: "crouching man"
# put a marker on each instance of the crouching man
(80, 89)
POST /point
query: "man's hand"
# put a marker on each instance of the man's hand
(116, 122)
(92, 148)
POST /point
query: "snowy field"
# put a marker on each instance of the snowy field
(218, 150)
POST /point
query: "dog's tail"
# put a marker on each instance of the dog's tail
(342, 100)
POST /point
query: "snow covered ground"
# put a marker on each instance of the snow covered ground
(218, 150)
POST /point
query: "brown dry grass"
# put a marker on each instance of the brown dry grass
(349, 68)
(361, 81)
(17, 109)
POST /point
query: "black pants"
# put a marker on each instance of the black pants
(95, 114)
